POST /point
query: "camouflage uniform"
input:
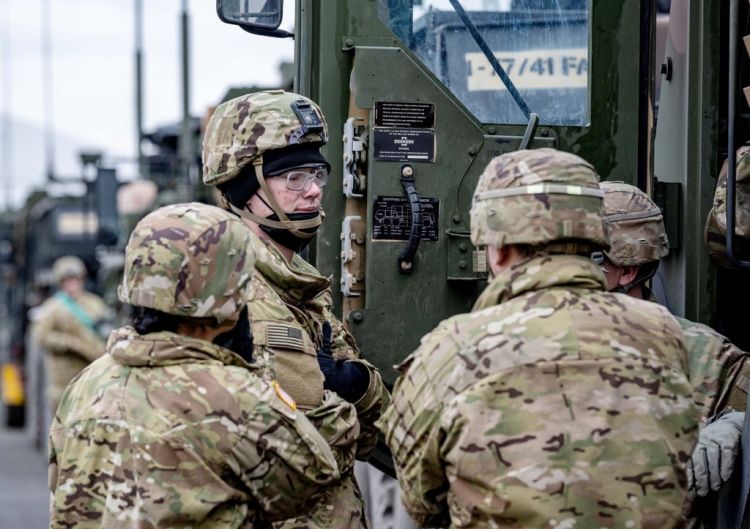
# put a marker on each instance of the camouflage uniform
(715, 231)
(290, 301)
(168, 430)
(716, 367)
(71, 343)
(293, 297)
(552, 404)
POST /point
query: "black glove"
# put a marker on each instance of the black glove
(348, 379)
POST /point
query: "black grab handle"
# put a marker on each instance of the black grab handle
(406, 259)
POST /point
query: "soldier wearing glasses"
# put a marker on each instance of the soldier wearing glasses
(262, 151)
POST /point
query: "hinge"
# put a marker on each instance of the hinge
(355, 157)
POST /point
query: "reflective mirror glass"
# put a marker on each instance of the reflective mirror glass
(263, 14)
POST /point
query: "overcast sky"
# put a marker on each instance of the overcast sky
(93, 66)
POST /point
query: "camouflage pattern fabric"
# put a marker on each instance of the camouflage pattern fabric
(718, 370)
(715, 231)
(173, 262)
(535, 197)
(242, 129)
(552, 404)
(70, 345)
(296, 299)
(171, 431)
(636, 224)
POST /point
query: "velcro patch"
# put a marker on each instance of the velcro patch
(284, 336)
(284, 396)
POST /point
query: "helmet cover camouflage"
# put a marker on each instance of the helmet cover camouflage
(189, 260)
(242, 129)
(68, 266)
(536, 197)
(636, 226)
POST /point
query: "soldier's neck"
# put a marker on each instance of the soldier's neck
(283, 250)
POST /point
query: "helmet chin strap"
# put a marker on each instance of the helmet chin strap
(284, 223)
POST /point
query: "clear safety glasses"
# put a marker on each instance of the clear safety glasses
(301, 179)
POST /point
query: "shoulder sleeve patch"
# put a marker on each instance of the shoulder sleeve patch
(284, 396)
(284, 336)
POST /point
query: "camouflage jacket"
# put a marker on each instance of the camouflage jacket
(288, 304)
(171, 431)
(718, 370)
(552, 404)
(72, 344)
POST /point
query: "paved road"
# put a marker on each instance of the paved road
(24, 500)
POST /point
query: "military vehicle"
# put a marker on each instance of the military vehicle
(423, 93)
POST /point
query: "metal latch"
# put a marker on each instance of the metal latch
(355, 157)
(348, 279)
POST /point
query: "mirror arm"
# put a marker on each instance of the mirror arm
(277, 33)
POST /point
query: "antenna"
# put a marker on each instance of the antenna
(6, 132)
(47, 90)
(138, 15)
(185, 142)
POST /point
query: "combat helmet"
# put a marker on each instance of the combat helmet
(191, 260)
(636, 224)
(538, 197)
(68, 266)
(255, 136)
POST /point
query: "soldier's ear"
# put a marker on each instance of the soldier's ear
(499, 259)
(628, 276)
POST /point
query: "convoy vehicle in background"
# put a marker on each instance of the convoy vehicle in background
(31, 239)
(94, 225)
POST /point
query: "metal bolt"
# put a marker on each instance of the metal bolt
(357, 316)
(472, 151)
(462, 247)
(544, 133)
(462, 265)
(407, 170)
(349, 42)
(492, 130)
(457, 219)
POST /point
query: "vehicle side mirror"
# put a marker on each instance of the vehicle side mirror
(261, 17)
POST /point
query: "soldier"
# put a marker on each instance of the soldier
(173, 427)
(716, 367)
(262, 151)
(69, 327)
(553, 403)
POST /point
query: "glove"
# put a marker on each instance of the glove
(712, 461)
(348, 379)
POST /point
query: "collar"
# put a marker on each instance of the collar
(166, 348)
(297, 281)
(540, 273)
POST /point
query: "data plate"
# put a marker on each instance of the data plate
(404, 115)
(391, 218)
(404, 145)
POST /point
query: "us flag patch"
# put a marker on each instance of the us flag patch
(284, 336)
